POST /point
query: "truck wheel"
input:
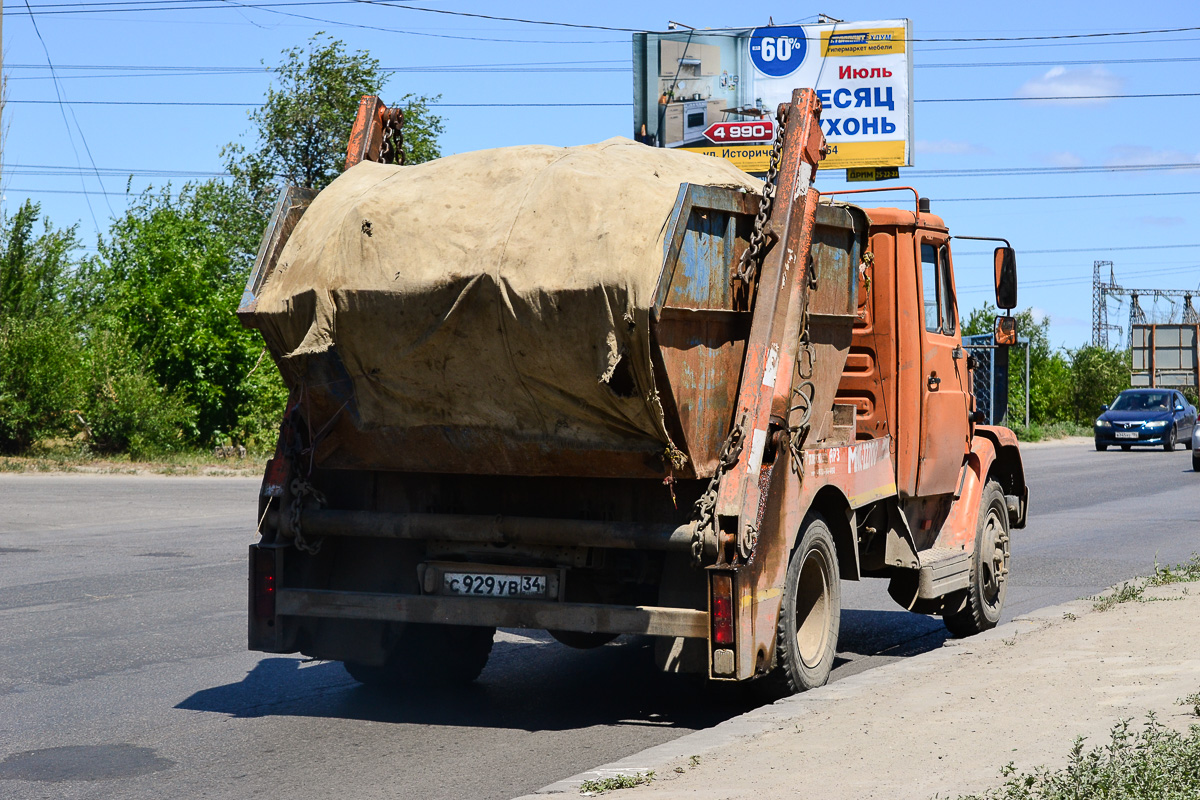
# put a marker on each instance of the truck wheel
(811, 614)
(989, 568)
(430, 655)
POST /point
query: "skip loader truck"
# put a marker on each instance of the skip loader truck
(615, 389)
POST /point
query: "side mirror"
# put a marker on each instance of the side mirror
(1006, 331)
(1104, 407)
(1005, 259)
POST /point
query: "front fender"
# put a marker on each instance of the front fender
(1008, 470)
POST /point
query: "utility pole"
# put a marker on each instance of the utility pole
(3, 93)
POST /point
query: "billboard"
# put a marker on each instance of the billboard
(715, 92)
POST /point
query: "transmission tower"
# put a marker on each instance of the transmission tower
(1190, 317)
(1103, 289)
(1100, 292)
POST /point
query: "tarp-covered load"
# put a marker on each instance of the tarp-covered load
(494, 303)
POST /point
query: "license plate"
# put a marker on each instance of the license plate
(1126, 434)
(493, 584)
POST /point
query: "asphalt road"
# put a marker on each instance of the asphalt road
(123, 671)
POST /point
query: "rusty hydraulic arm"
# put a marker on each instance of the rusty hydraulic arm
(778, 310)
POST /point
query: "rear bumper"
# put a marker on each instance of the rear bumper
(500, 612)
(1156, 437)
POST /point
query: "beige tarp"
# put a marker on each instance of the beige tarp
(506, 290)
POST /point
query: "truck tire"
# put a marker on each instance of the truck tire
(989, 568)
(811, 613)
(429, 655)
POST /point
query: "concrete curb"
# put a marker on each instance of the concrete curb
(785, 712)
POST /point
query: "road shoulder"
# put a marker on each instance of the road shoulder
(946, 721)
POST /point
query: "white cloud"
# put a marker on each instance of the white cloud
(1063, 158)
(947, 147)
(1126, 155)
(1162, 222)
(1085, 82)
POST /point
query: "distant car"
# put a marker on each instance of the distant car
(1147, 417)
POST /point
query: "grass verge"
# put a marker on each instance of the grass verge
(1135, 590)
(1153, 763)
(75, 457)
(1044, 432)
(602, 785)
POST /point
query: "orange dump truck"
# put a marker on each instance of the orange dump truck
(612, 390)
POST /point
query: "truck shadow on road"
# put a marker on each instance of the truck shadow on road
(541, 685)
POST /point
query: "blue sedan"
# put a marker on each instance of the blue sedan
(1146, 417)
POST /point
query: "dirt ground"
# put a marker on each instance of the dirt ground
(944, 723)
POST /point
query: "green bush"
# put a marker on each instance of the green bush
(1097, 376)
(1153, 763)
(41, 381)
(125, 408)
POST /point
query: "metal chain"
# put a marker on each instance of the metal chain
(752, 256)
(706, 505)
(802, 394)
(392, 149)
(301, 489)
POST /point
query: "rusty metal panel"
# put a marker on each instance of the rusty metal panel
(700, 339)
(832, 309)
(366, 137)
(702, 352)
(291, 205)
(496, 529)
(868, 378)
(703, 237)
(501, 613)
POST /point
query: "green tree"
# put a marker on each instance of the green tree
(1097, 376)
(40, 353)
(301, 130)
(33, 269)
(169, 278)
(41, 377)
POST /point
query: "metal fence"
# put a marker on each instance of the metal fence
(990, 377)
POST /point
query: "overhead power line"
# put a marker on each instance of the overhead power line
(577, 105)
(583, 66)
(1056, 97)
(1082, 62)
(48, 169)
(62, 110)
(1058, 197)
(189, 5)
(1089, 249)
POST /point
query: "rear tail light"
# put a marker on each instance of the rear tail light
(263, 585)
(722, 609)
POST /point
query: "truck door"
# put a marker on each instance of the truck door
(945, 437)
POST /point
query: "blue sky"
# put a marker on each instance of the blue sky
(1154, 241)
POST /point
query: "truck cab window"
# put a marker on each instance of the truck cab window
(929, 288)
(947, 291)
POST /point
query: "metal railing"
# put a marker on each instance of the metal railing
(983, 347)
